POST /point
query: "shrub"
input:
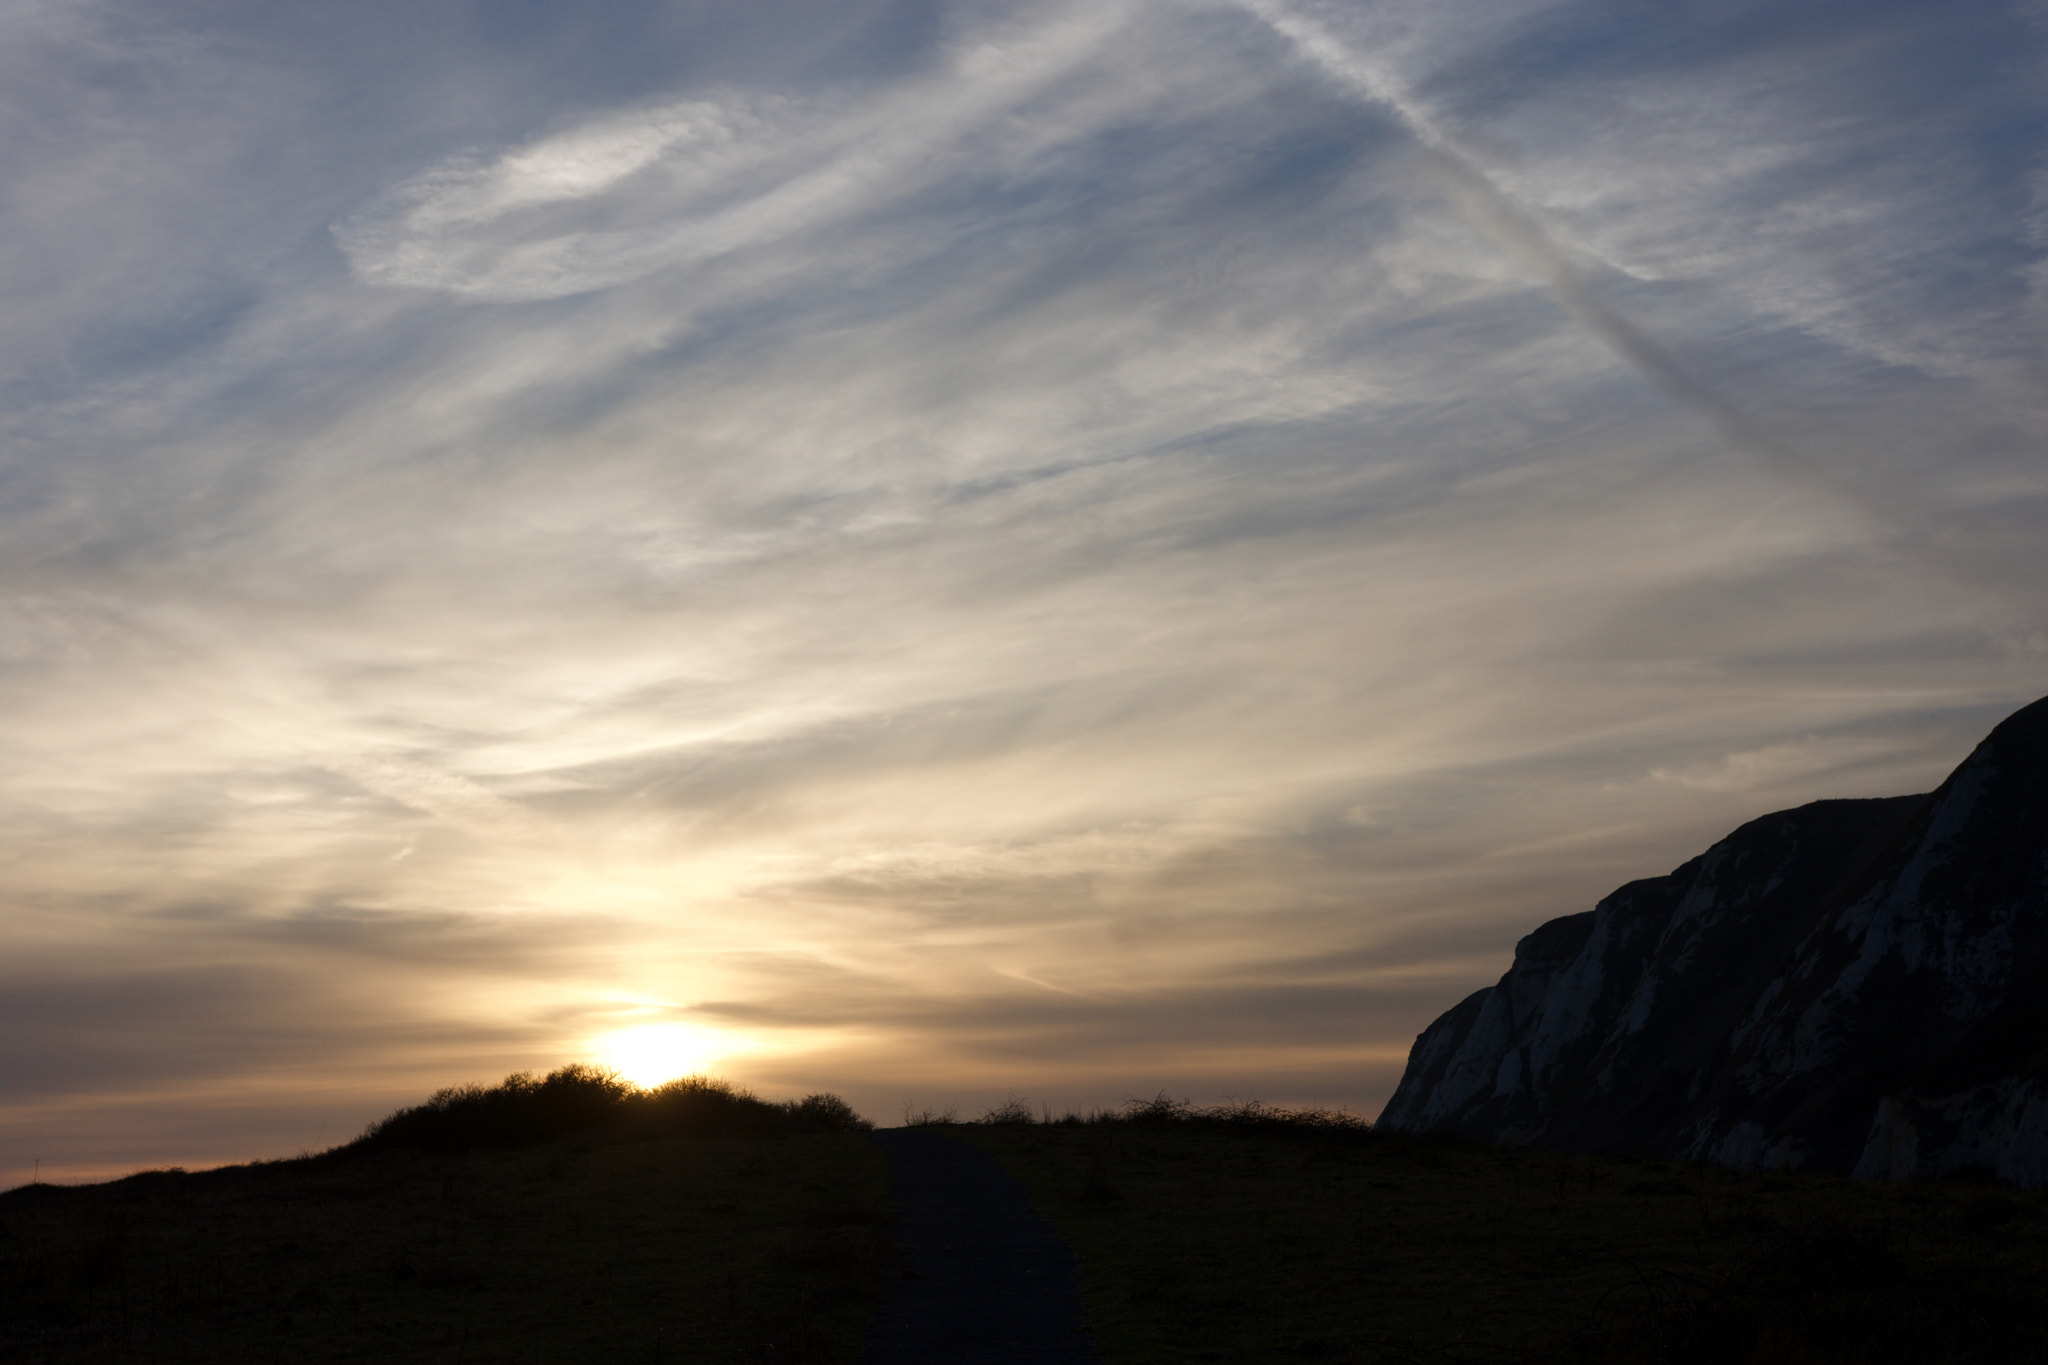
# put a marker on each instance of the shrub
(522, 1110)
(1014, 1112)
(704, 1106)
(824, 1114)
(1163, 1111)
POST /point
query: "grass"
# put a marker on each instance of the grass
(1253, 1234)
(622, 1236)
(587, 1220)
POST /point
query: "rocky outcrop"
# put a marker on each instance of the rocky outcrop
(1849, 986)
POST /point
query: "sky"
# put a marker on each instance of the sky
(947, 551)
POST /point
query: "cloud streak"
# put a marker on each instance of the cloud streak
(1518, 231)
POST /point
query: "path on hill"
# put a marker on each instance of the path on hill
(990, 1281)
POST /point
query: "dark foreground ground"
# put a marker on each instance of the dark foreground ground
(1193, 1243)
(1204, 1244)
(688, 1249)
(987, 1281)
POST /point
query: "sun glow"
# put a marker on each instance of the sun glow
(653, 1053)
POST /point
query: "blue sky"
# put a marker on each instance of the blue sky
(940, 551)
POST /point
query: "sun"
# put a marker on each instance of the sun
(652, 1053)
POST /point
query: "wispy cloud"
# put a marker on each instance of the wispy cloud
(1510, 219)
(714, 176)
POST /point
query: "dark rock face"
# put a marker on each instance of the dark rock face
(1852, 986)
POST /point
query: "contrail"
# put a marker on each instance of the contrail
(1513, 228)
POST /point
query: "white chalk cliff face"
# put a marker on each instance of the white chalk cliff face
(1852, 986)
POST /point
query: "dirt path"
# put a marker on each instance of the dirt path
(990, 1281)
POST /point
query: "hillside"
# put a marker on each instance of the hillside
(668, 1249)
(1239, 1236)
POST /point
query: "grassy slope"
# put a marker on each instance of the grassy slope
(1205, 1245)
(698, 1249)
(1196, 1243)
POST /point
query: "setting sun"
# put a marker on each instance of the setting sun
(653, 1053)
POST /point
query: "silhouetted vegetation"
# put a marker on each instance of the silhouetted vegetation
(522, 1110)
(1162, 1111)
(574, 1217)
(569, 1217)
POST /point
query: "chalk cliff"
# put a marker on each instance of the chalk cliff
(1852, 986)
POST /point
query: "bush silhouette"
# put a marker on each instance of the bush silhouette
(1163, 1111)
(825, 1113)
(577, 1099)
